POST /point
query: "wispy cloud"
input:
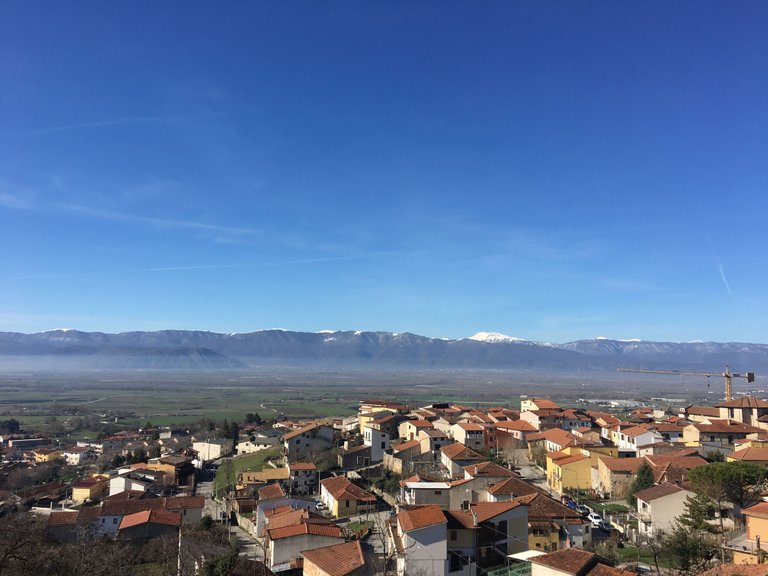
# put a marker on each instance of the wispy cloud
(721, 269)
(191, 267)
(109, 122)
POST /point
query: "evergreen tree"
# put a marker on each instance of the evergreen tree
(698, 510)
(643, 479)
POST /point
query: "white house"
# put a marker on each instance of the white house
(420, 542)
(257, 444)
(307, 442)
(378, 441)
(213, 449)
(659, 506)
(287, 543)
(468, 433)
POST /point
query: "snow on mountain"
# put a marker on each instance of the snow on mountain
(494, 338)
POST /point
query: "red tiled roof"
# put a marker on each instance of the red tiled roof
(300, 431)
(457, 450)
(485, 469)
(760, 510)
(656, 492)
(61, 518)
(542, 507)
(271, 491)
(420, 517)
(745, 402)
(330, 530)
(513, 487)
(337, 560)
(622, 464)
(301, 466)
(406, 445)
(518, 425)
(342, 489)
(470, 426)
(569, 560)
(151, 517)
(635, 431)
(726, 427)
(486, 510)
(709, 411)
(750, 454)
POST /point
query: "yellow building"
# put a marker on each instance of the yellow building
(90, 488)
(757, 527)
(368, 408)
(343, 498)
(43, 455)
(566, 471)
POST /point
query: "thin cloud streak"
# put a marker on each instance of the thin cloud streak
(723, 278)
(126, 121)
(295, 262)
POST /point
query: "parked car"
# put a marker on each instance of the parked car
(595, 518)
(603, 525)
(583, 510)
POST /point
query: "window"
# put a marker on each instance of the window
(114, 520)
(438, 492)
(454, 535)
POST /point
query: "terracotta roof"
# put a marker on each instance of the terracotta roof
(419, 423)
(512, 487)
(726, 427)
(737, 570)
(184, 502)
(61, 518)
(487, 510)
(485, 469)
(745, 402)
(656, 492)
(126, 507)
(301, 466)
(519, 425)
(406, 446)
(420, 517)
(622, 464)
(709, 411)
(342, 489)
(635, 431)
(291, 517)
(300, 431)
(300, 529)
(544, 403)
(559, 436)
(569, 560)
(750, 454)
(457, 450)
(760, 510)
(337, 560)
(542, 507)
(470, 426)
(271, 491)
(563, 458)
(151, 517)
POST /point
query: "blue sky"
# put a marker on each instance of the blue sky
(552, 171)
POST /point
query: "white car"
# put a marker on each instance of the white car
(595, 518)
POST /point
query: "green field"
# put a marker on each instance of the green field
(256, 461)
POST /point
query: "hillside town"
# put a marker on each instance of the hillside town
(438, 489)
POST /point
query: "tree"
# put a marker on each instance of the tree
(736, 482)
(698, 510)
(690, 549)
(643, 479)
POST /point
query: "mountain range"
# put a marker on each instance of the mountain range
(193, 349)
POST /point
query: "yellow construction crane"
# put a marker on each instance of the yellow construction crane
(727, 375)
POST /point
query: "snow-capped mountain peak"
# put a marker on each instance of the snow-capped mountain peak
(494, 337)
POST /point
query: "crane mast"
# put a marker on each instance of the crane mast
(727, 376)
